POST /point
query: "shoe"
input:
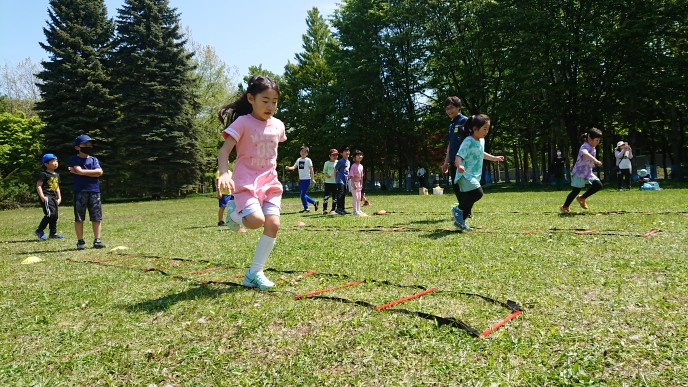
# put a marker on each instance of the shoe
(56, 236)
(97, 244)
(229, 222)
(40, 235)
(333, 212)
(620, 190)
(221, 223)
(257, 280)
(362, 214)
(458, 217)
(564, 210)
(357, 213)
(80, 244)
(304, 210)
(581, 201)
(325, 212)
(366, 204)
(317, 203)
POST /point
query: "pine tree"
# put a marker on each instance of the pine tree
(74, 91)
(153, 76)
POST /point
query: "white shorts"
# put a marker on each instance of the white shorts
(267, 209)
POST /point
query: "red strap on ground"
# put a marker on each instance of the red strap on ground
(201, 271)
(399, 301)
(327, 290)
(587, 232)
(496, 326)
(117, 259)
(647, 234)
(531, 232)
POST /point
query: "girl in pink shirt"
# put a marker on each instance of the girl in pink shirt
(356, 177)
(255, 133)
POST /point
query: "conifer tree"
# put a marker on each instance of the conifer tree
(154, 83)
(74, 91)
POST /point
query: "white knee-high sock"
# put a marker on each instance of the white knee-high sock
(263, 250)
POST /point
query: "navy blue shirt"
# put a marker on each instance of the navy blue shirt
(456, 135)
(85, 183)
(342, 168)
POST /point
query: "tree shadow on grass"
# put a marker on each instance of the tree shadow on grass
(202, 291)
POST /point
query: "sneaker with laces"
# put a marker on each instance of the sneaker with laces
(457, 213)
(56, 236)
(581, 201)
(80, 244)
(40, 235)
(97, 244)
(257, 280)
(564, 210)
(316, 204)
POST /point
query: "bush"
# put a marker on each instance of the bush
(13, 194)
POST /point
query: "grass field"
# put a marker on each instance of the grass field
(609, 306)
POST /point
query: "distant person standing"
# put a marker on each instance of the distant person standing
(557, 170)
(456, 135)
(342, 170)
(306, 174)
(87, 171)
(409, 179)
(582, 171)
(420, 174)
(356, 177)
(623, 154)
(48, 189)
(331, 186)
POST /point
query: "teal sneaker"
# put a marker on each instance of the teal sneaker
(229, 222)
(40, 235)
(57, 236)
(257, 280)
(459, 222)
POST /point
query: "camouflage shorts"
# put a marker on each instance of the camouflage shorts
(90, 201)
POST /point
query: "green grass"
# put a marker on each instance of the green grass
(603, 308)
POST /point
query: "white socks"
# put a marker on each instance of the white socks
(263, 250)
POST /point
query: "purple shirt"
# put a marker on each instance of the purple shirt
(584, 165)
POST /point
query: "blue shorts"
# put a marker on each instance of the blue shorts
(225, 200)
(579, 182)
(90, 201)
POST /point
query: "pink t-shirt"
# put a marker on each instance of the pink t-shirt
(356, 174)
(255, 177)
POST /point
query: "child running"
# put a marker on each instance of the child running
(356, 177)
(469, 168)
(252, 129)
(48, 189)
(331, 186)
(305, 167)
(582, 171)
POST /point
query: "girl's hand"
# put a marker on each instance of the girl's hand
(461, 168)
(598, 163)
(224, 183)
(500, 158)
(445, 167)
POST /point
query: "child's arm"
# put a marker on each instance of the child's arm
(489, 157)
(39, 190)
(445, 166)
(59, 196)
(312, 174)
(588, 156)
(77, 170)
(458, 161)
(224, 182)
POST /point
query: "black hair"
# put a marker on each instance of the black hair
(305, 147)
(256, 85)
(357, 152)
(453, 101)
(591, 133)
(476, 121)
(343, 149)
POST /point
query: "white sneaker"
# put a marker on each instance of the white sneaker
(257, 280)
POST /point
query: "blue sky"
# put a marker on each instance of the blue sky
(241, 34)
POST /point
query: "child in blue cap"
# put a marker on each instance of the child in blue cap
(48, 189)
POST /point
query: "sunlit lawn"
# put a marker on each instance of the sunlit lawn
(602, 303)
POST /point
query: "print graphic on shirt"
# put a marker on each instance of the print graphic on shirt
(265, 152)
(53, 184)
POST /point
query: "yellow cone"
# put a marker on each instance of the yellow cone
(30, 260)
(119, 248)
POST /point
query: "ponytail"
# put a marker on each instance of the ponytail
(476, 121)
(256, 85)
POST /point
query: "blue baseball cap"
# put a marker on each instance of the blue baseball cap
(82, 139)
(48, 156)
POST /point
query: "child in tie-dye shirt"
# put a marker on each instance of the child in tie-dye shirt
(582, 171)
(255, 133)
(469, 168)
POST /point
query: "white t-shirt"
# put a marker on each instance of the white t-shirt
(304, 166)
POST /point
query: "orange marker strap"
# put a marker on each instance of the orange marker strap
(496, 326)
(327, 290)
(399, 301)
